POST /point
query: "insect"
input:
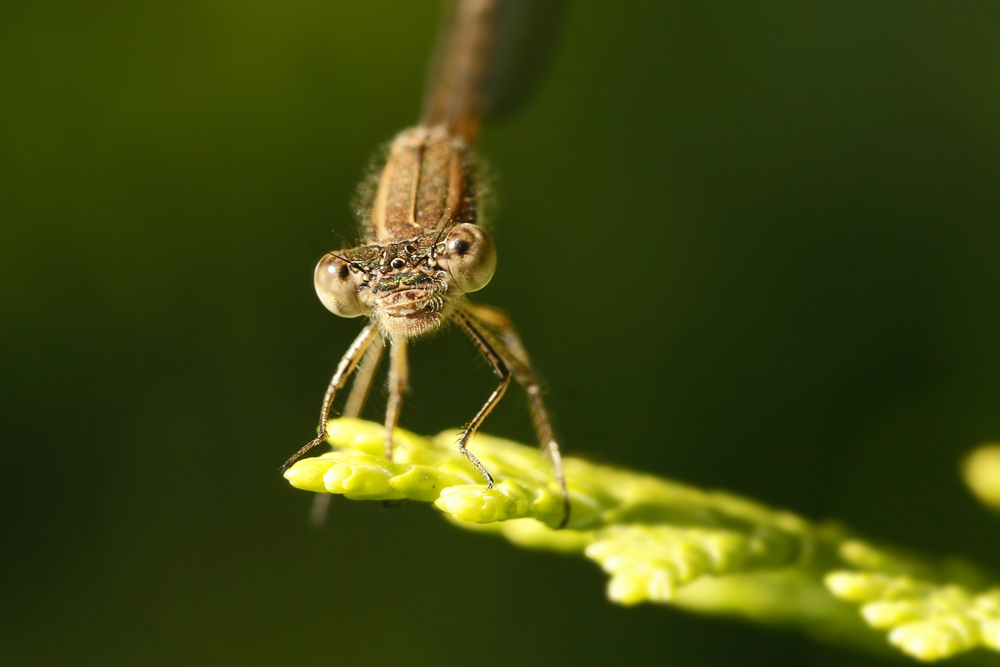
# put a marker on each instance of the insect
(424, 252)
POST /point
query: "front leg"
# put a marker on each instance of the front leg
(496, 327)
(501, 370)
(364, 376)
(346, 366)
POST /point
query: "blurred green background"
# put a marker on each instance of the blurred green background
(750, 246)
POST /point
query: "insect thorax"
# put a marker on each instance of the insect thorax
(428, 184)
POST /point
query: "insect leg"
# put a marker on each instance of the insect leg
(346, 366)
(398, 382)
(363, 379)
(502, 372)
(500, 331)
(355, 405)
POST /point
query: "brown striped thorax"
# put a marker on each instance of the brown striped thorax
(424, 249)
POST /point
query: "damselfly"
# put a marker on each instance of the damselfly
(424, 252)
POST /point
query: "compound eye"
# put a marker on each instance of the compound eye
(471, 257)
(337, 287)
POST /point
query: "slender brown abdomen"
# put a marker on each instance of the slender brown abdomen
(428, 184)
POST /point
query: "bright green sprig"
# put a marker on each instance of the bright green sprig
(929, 613)
(664, 542)
(981, 470)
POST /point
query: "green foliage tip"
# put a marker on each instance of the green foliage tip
(664, 542)
(981, 471)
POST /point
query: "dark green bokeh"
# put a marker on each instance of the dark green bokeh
(750, 247)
